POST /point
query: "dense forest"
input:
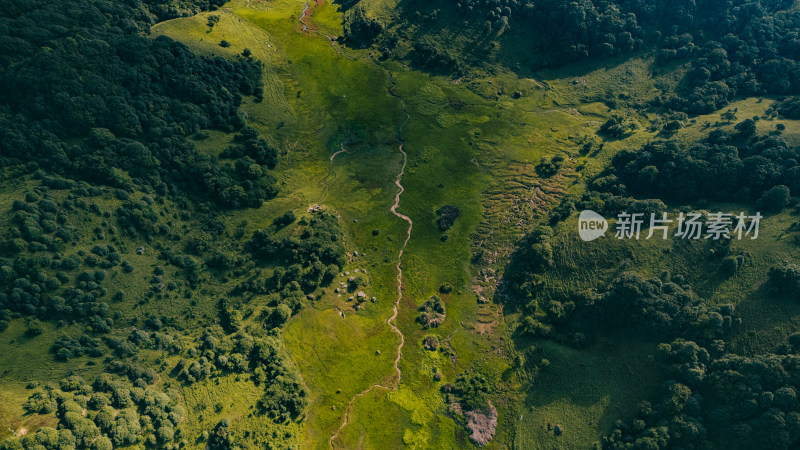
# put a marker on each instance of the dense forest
(135, 191)
(138, 101)
(733, 48)
(715, 399)
(712, 396)
(761, 169)
(99, 121)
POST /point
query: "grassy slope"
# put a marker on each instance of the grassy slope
(468, 146)
(586, 390)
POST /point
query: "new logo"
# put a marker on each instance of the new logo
(591, 225)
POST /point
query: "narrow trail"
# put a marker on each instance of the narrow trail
(395, 308)
(303, 18)
(399, 263)
(342, 150)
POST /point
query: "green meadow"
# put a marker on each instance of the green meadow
(473, 143)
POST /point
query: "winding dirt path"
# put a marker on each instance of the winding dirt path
(390, 320)
(303, 18)
(399, 263)
(341, 146)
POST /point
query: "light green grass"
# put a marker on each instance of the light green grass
(471, 145)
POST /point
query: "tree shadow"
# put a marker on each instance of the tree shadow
(767, 320)
(615, 373)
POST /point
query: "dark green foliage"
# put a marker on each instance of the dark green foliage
(247, 143)
(713, 169)
(222, 437)
(665, 308)
(429, 56)
(618, 127)
(319, 241)
(107, 427)
(659, 308)
(66, 348)
(230, 316)
(180, 8)
(359, 28)
(92, 107)
(717, 400)
(286, 219)
(34, 328)
(285, 399)
(432, 312)
(115, 119)
(785, 279)
(212, 20)
(447, 217)
(564, 209)
(789, 108)
(279, 315)
(775, 199)
(549, 167)
(472, 391)
(535, 250)
(746, 47)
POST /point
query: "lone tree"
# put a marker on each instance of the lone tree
(775, 199)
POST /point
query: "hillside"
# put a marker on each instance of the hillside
(289, 224)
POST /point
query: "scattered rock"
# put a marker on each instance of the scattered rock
(378, 352)
(558, 430)
(430, 343)
(350, 299)
(140, 251)
(373, 299)
(437, 377)
(361, 295)
(337, 290)
(432, 313)
(517, 95)
(310, 297)
(482, 425)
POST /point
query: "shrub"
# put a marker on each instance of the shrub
(775, 199)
